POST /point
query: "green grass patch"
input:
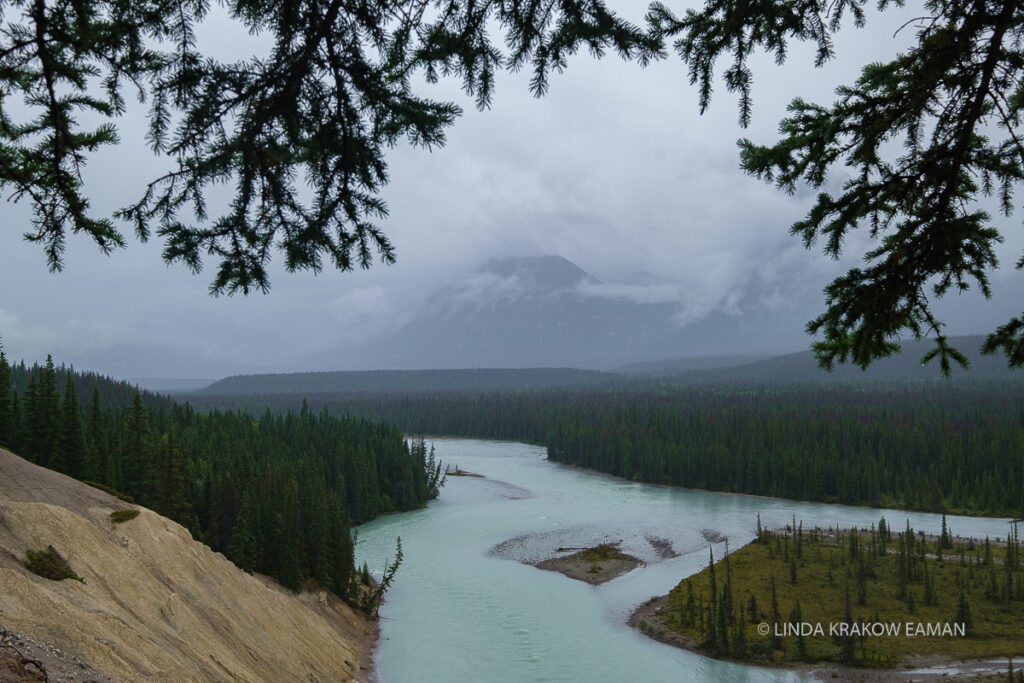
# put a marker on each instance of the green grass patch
(118, 516)
(770, 598)
(49, 565)
(603, 553)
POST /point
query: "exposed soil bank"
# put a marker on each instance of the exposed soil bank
(154, 604)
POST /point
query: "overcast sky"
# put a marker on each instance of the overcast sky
(614, 170)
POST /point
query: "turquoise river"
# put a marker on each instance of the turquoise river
(465, 606)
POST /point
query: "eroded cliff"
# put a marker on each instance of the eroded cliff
(154, 604)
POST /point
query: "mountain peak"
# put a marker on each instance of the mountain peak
(549, 272)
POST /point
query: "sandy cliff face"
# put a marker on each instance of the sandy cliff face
(156, 605)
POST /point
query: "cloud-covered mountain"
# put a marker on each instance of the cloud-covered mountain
(548, 312)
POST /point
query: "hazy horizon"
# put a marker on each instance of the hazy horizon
(614, 170)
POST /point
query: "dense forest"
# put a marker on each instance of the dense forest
(924, 446)
(276, 493)
(925, 449)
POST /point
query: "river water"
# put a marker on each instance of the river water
(465, 608)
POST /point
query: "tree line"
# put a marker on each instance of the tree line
(925, 449)
(921, 446)
(277, 494)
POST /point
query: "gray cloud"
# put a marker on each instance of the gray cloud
(614, 169)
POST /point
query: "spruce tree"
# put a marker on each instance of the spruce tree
(848, 643)
(690, 609)
(17, 430)
(776, 640)
(862, 583)
(172, 494)
(242, 546)
(42, 418)
(740, 638)
(72, 440)
(99, 463)
(727, 589)
(712, 640)
(436, 477)
(931, 596)
(7, 422)
(341, 553)
(946, 539)
(287, 544)
(135, 453)
(796, 617)
(722, 625)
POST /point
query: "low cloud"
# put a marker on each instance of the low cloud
(663, 293)
(367, 313)
(482, 289)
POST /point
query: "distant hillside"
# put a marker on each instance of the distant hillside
(153, 604)
(399, 381)
(169, 385)
(674, 366)
(803, 367)
(800, 367)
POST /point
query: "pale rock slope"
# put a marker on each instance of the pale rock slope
(156, 605)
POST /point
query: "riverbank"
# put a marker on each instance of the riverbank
(886, 502)
(869, 603)
(367, 648)
(647, 616)
(475, 607)
(362, 631)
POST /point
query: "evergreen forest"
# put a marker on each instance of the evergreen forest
(932, 446)
(277, 493)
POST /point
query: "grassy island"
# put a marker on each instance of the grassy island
(859, 597)
(595, 565)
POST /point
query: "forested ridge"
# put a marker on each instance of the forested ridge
(277, 493)
(377, 381)
(924, 446)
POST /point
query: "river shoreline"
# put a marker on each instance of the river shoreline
(367, 671)
(646, 618)
(614, 477)
(476, 608)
